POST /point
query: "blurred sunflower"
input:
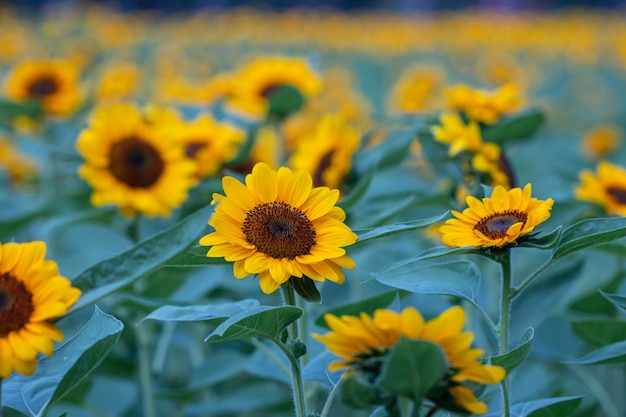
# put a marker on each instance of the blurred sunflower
(54, 83)
(416, 89)
(137, 165)
(326, 153)
(601, 141)
(358, 340)
(18, 166)
(118, 81)
(484, 106)
(31, 293)
(274, 86)
(607, 188)
(278, 226)
(496, 221)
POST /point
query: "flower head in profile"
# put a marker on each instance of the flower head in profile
(606, 187)
(357, 340)
(484, 106)
(31, 293)
(277, 225)
(134, 163)
(496, 221)
(53, 83)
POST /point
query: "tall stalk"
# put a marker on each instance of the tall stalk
(506, 292)
(289, 299)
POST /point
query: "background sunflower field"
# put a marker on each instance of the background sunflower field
(117, 129)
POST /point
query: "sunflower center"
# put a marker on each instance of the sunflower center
(193, 148)
(43, 87)
(618, 194)
(135, 162)
(16, 304)
(279, 230)
(496, 225)
(324, 163)
(267, 91)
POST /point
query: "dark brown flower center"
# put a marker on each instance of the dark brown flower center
(43, 87)
(16, 304)
(135, 162)
(618, 194)
(267, 91)
(496, 225)
(279, 230)
(193, 148)
(324, 163)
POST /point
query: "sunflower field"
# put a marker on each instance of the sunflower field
(245, 212)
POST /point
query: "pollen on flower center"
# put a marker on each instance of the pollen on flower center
(43, 87)
(496, 225)
(619, 194)
(135, 162)
(279, 230)
(16, 304)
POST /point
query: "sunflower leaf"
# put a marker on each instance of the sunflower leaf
(517, 127)
(549, 407)
(393, 150)
(413, 368)
(360, 394)
(589, 233)
(600, 332)
(262, 321)
(516, 356)
(10, 110)
(113, 274)
(617, 299)
(200, 312)
(541, 240)
(613, 353)
(357, 192)
(305, 287)
(392, 229)
(70, 364)
(194, 256)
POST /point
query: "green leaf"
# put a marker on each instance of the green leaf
(113, 274)
(10, 110)
(412, 368)
(393, 150)
(617, 299)
(65, 369)
(357, 192)
(600, 332)
(551, 407)
(459, 278)
(194, 256)
(200, 312)
(392, 229)
(589, 233)
(305, 287)
(517, 127)
(262, 321)
(614, 353)
(358, 393)
(368, 306)
(515, 357)
(541, 240)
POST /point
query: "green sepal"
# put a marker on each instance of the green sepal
(305, 287)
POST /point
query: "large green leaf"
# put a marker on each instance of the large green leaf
(589, 233)
(200, 312)
(9, 110)
(600, 332)
(393, 150)
(412, 368)
(519, 126)
(194, 255)
(65, 369)
(459, 278)
(617, 299)
(516, 356)
(262, 321)
(392, 229)
(359, 393)
(545, 240)
(357, 192)
(368, 306)
(116, 273)
(613, 353)
(549, 407)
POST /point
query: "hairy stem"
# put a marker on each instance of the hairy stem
(503, 326)
(289, 298)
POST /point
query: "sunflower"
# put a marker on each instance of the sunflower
(607, 188)
(31, 293)
(278, 226)
(119, 80)
(137, 165)
(484, 106)
(54, 83)
(416, 89)
(18, 166)
(601, 141)
(496, 221)
(259, 82)
(327, 152)
(357, 339)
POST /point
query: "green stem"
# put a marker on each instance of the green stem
(142, 337)
(516, 291)
(289, 298)
(503, 326)
(330, 398)
(256, 343)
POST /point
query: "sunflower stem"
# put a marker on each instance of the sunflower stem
(330, 398)
(503, 326)
(289, 299)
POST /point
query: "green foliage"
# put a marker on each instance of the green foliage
(392, 229)
(519, 126)
(10, 110)
(516, 356)
(261, 321)
(613, 353)
(589, 233)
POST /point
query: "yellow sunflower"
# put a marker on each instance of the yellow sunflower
(31, 293)
(139, 166)
(356, 339)
(118, 81)
(416, 89)
(256, 83)
(484, 106)
(601, 141)
(54, 83)
(18, 166)
(326, 153)
(496, 221)
(278, 226)
(607, 188)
